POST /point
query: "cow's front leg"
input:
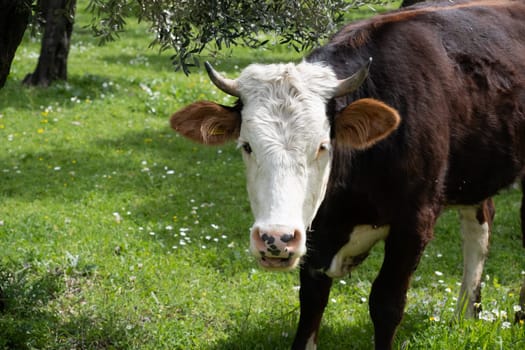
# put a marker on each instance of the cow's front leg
(403, 248)
(313, 296)
(476, 223)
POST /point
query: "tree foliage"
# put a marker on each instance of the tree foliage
(190, 26)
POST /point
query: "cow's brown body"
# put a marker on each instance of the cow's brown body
(456, 74)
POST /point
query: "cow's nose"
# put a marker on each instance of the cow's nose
(276, 245)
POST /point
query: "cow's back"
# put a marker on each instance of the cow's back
(456, 73)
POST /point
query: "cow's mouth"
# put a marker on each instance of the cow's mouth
(279, 264)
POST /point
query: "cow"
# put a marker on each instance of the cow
(369, 138)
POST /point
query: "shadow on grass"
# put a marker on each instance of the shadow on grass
(28, 321)
(69, 171)
(357, 335)
(77, 87)
(24, 321)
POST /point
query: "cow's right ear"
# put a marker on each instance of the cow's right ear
(365, 122)
(207, 122)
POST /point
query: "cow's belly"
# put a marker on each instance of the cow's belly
(362, 239)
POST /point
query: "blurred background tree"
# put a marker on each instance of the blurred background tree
(185, 26)
(56, 17)
(190, 26)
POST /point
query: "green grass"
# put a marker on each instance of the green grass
(118, 234)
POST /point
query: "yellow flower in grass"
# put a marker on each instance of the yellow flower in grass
(40, 131)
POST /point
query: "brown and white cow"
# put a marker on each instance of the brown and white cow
(336, 164)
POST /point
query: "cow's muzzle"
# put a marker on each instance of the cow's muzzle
(277, 247)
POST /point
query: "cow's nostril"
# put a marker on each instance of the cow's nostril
(268, 239)
(286, 237)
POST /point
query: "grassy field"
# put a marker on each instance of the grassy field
(118, 234)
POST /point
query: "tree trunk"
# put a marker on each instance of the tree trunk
(58, 18)
(14, 17)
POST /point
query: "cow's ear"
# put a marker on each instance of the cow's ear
(207, 122)
(365, 122)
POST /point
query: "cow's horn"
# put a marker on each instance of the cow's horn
(353, 82)
(229, 86)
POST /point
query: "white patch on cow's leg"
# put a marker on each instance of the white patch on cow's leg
(475, 249)
(362, 239)
(311, 345)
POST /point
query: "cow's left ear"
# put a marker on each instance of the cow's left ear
(365, 122)
(207, 122)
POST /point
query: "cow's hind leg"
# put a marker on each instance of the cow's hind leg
(520, 315)
(313, 297)
(476, 224)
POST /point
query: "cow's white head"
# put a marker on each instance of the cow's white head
(282, 127)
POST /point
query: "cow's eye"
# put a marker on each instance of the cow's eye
(324, 146)
(246, 147)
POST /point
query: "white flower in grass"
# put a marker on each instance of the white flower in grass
(502, 314)
(117, 217)
(487, 316)
(438, 273)
(516, 308)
